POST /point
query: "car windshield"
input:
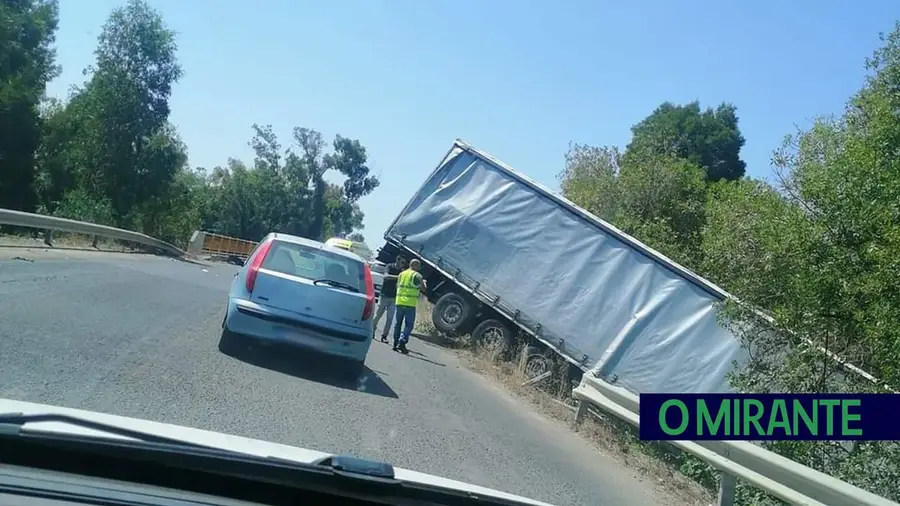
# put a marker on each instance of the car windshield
(265, 221)
(314, 263)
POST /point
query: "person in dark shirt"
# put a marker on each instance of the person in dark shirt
(388, 293)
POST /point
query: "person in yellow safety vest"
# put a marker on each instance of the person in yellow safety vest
(410, 284)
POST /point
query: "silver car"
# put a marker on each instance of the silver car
(303, 293)
(378, 271)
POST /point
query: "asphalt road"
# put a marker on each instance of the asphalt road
(137, 335)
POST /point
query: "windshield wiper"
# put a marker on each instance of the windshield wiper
(12, 423)
(337, 284)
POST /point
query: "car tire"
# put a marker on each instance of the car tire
(451, 313)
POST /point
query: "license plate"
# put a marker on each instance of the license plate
(284, 332)
(289, 334)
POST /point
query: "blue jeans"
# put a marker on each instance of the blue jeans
(405, 318)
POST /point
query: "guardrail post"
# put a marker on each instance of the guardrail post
(580, 413)
(727, 482)
(48, 237)
(195, 245)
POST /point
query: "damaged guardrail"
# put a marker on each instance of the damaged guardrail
(783, 478)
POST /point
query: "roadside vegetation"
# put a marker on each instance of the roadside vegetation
(817, 248)
(108, 154)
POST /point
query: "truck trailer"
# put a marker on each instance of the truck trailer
(507, 259)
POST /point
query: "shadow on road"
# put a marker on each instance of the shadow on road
(439, 340)
(423, 357)
(415, 354)
(305, 365)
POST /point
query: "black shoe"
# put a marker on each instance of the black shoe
(384, 339)
(403, 349)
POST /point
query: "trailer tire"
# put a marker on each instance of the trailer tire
(493, 334)
(451, 312)
(537, 364)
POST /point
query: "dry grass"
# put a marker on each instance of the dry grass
(657, 462)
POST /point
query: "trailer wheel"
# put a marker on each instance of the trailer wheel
(450, 313)
(493, 334)
(536, 363)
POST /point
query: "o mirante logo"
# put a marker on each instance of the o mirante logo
(752, 417)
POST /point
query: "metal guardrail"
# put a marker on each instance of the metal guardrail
(783, 478)
(43, 222)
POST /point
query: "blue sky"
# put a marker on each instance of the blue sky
(519, 79)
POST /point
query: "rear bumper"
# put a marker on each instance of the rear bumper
(270, 324)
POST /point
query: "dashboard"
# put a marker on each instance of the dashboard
(51, 472)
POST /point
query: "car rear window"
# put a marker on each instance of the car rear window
(313, 263)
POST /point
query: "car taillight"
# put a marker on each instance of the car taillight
(369, 308)
(255, 263)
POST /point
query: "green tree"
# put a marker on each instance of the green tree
(817, 251)
(590, 179)
(656, 190)
(348, 158)
(27, 33)
(659, 200)
(341, 215)
(819, 255)
(710, 138)
(278, 192)
(134, 150)
(112, 140)
(838, 225)
(663, 204)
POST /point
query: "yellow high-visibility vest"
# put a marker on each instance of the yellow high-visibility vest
(407, 291)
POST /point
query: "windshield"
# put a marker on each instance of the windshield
(267, 221)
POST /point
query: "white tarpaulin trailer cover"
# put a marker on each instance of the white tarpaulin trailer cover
(642, 321)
